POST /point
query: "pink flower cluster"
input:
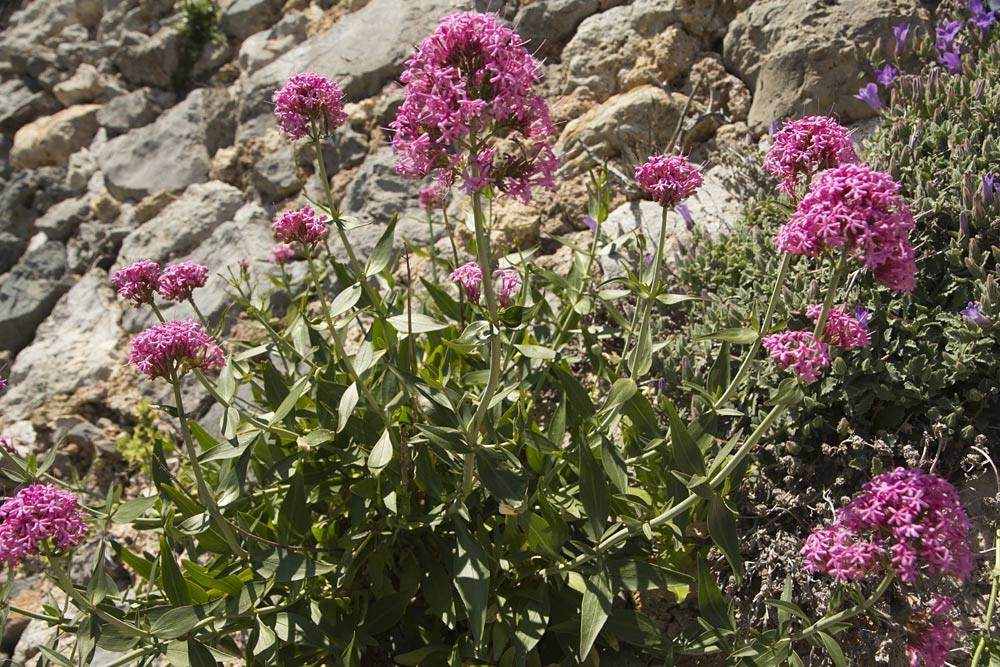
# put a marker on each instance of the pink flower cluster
(173, 348)
(282, 254)
(800, 351)
(843, 330)
(470, 84)
(859, 210)
(807, 145)
(906, 519)
(36, 515)
(306, 100)
(303, 226)
(429, 198)
(178, 281)
(470, 277)
(932, 634)
(669, 178)
(139, 281)
(510, 283)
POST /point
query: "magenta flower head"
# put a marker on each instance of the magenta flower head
(282, 254)
(669, 178)
(39, 517)
(174, 347)
(469, 84)
(3, 383)
(800, 351)
(429, 198)
(908, 520)
(854, 208)
(807, 145)
(932, 633)
(7, 444)
(510, 283)
(303, 226)
(138, 282)
(470, 277)
(309, 102)
(178, 281)
(843, 330)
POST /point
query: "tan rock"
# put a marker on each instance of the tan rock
(666, 57)
(225, 165)
(86, 85)
(50, 140)
(105, 207)
(150, 205)
(718, 90)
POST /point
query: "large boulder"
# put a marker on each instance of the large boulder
(804, 57)
(21, 101)
(135, 109)
(265, 46)
(87, 85)
(361, 52)
(242, 18)
(29, 291)
(50, 140)
(78, 344)
(546, 25)
(149, 60)
(172, 152)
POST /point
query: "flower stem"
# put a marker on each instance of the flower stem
(654, 288)
(991, 607)
(850, 612)
(204, 493)
(484, 256)
(831, 293)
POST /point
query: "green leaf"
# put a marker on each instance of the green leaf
(171, 580)
(386, 612)
(642, 360)
(735, 335)
(719, 376)
(532, 621)
(789, 393)
(294, 394)
(176, 622)
(348, 401)
(722, 528)
(671, 299)
(833, 648)
(636, 628)
(345, 300)
(415, 323)
(541, 536)
(537, 352)
(593, 492)
(637, 575)
(199, 655)
(55, 657)
(417, 656)
(226, 385)
(130, 510)
(294, 516)
(576, 395)
(381, 454)
(382, 252)
(594, 610)
(286, 566)
(687, 454)
(621, 392)
(712, 605)
(472, 579)
(789, 608)
(502, 475)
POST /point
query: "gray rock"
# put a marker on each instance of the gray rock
(264, 47)
(60, 221)
(11, 248)
(385, 31)
(802, 57)
(276, 176)
(135, 109)
(95, 244)
(80, 169)
(243, 18)
(145, 60)
(87, 85)
(172, 152)
(183, 224)
(27, 195)
(78, 344)
(22, 101)
(29, 291)
(346, 149)
(546, 25)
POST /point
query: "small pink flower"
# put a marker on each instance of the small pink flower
(178, 281)
(800, 351)
(510, 283)
(3, 383)
(932, 633)
(37, 517)
(302, 226)
(429, 198)
(470, 277)
(282, 254)
(138, 282)
(669, 178)
(309, 99)
(174, 347)
(843, 330)
(7, 444)
(807, 145)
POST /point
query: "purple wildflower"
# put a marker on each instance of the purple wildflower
(137, 282)
(989, 187)
(861, 314)
(309, 100)
(302, 226)
(901, 31)
(471, 82)
(510, 283)
(886, 76)
(800, 351)
(173, 348)
(685, 213)
(869, 95)
(807, 145)
(178, 281)
(36, 518)
(282, 254)
(470, 277)
(980, 17)
(952, 60)
(669, 178)
(772, 128)
(946, 35)
(973, 313)
(591, 223)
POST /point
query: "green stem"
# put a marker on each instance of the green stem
(83, 603)
(485, 257)
(204, 493)
(991, 607)
(765, 326)
(432, 249)
(277, 430)
(31, 614)
(831, 293)
(850, 612)
(128, 658)
(654, 288)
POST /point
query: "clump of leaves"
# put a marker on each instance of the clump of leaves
(138, 447)
(199, 27)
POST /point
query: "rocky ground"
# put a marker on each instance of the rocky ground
(108, 157)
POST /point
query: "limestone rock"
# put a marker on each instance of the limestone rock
(81, 335)
(61, 220)
(29, 291)
(276, 176)
(183, 138)
(87, 85)
(243, 18)
(145, 60)
(11, 248)
(135, 109)
(28, 194)
(183, 224)
(21, 101)
(81, 168)
(50, 140)
(546, 25)
(710, 83)
(639, 122)
(263, 47)
(385, 31)
(804, 57)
